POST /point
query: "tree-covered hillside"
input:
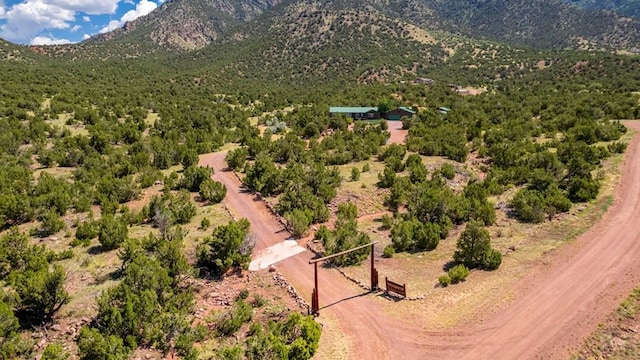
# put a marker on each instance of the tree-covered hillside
(625, 7)
(181, 25)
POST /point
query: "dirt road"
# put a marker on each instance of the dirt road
(397, 133)
(557, 306)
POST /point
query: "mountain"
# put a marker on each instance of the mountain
(535, 23)
(624, 7)
(188, 25)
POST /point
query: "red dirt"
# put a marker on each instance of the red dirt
(397, 133)
(556, 307)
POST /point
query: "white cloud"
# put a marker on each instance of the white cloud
(27, 19)
(93, 7)
(113, 24)
(46, 40)
(143, 8)
(86, 36)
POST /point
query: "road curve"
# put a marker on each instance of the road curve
(559, 307)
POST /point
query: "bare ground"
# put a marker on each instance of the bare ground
(553, 310)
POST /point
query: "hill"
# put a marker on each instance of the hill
(540, 23)
(624, 7)
(189, 25)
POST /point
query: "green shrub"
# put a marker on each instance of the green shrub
(299, 221)
(94, 346)
(54, 352)
(112, 233)
(389, 251)
(205, 223)
(458, 273)
(182, 208)
(444, 280)
(414, 235)
(51, 223)
(387, 221)
(296, 338)
(87, 230)
(212, 191)
(259, 300)
(41, 293)
(237, 158)
(617, 147)
(492, 260)
(77, 242)
(243, 294)
(366, 167)
(448, 171)
(472, 246)
(229, 245)
(355, 174)
(194, 176)
(66, 254)
(230, 353)
(232, 320)
(386, 178)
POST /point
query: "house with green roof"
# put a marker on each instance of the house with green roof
(372, 113)
(398, 113)
(356, 113)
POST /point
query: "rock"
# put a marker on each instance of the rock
(56, 327)
(272, 268)
(42, 343)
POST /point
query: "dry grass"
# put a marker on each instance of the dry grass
(61, 122)
(57, 172)
(619, 336)
(334, 343)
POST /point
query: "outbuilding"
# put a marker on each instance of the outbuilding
(399, 113)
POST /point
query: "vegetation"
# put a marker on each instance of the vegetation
(346, 236)
(85, 134)
(457, 274)
(152, 271)
(474, 249)
(616, 329)
(228, 246)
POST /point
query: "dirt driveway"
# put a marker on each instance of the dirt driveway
(557, 306)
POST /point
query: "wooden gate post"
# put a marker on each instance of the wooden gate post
(374, 272)
(315, 307)
(315, 303)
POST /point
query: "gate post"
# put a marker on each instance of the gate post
(374, 272)
(315, 307)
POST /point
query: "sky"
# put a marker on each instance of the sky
(50, 22)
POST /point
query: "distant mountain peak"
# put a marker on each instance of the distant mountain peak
(188, 24)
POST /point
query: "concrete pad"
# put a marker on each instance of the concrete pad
(274, 254)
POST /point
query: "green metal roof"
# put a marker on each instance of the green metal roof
(407, 109)
(351, 110)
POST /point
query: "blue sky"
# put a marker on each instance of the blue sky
(48, 22)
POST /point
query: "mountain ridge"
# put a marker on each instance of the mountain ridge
(187, 26)
(180, 25)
